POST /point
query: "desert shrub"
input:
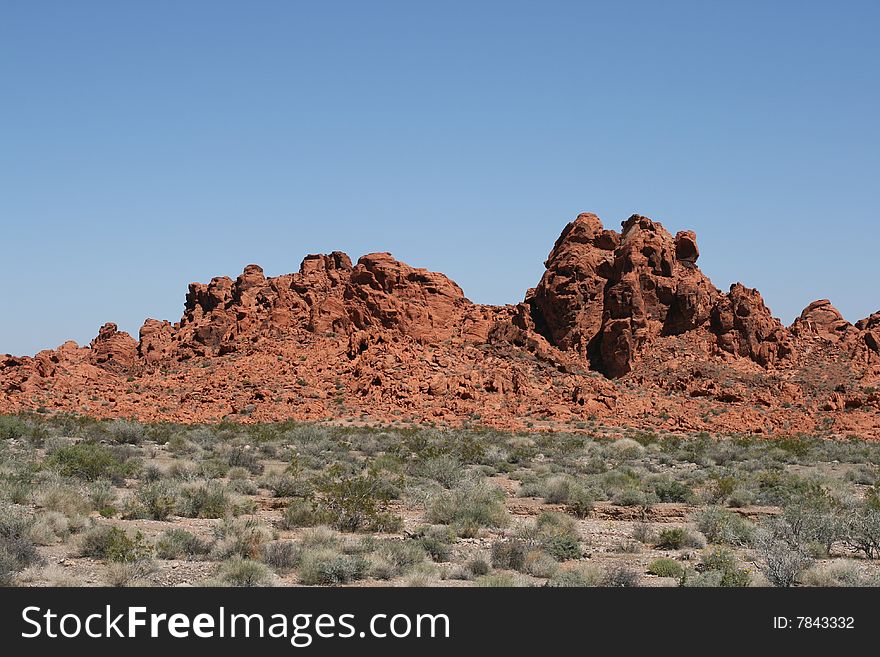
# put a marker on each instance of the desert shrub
(327, 566)
(301, 512)
(244, 573)
(90, 461)
(392, 558)
(724, 527)
(669, 490)
(65, 499)
(862, 531)
(243, 456)
(557, 489)
(128, 573)
(158, 499)
(126, 432)
(208, 500)
(665, 567)
(577, 576)
(509, 554)
(557, 534)
(176, 543)
(113, 544)
(243, 537)
(643, 533)
(17, 550)
(722, 563)
(838, 574)
(358, 502)
(49, 527)
(444, 469)
(281, 555)
(499, 580)
(12, 427)
(435, 541)
(469, 507)
(102, 496)
(676, 538)
(627, 449)
(286, 485)
(779, 560)
(620, 577)
(539, 563)
(630, 497)
(477, 566)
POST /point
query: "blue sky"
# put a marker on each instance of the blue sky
(147, 145)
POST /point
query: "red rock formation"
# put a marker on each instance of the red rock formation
(744, 327)
(822, 319)
(113, 349)
(384, 340)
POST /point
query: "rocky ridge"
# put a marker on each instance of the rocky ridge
(623, 327)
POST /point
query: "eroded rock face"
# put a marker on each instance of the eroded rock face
(822, 319)
(113, 349)
(744, 327)
(383, 339)
(870, 332)
(567, 304)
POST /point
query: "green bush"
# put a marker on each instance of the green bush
(159, 499)
(113, 544)
(358, 502)
(675, 538)
(620, 577)
(17, 549)
(719, 569)
(510, 554)
(665, 567)
(724, 527)
(301, 512)
(176, 543)
(126, 432)
(244, 573)
(90, 461)
(209, 500)
(577, 577)
(327, 566)
(471, 506)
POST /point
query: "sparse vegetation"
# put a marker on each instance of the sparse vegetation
(316, 504)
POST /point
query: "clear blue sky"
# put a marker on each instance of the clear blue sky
(146, 145)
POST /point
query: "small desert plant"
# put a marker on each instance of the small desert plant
(158, 499)
(126, 432)
(576, 576)
(17, 550)
(176, 543)
(89, 461)
(724, 527)
(676, 538)
(359, 502)
(471, 506)
(281, 555)
(665, 567)
(244, 573)
(509, 554)
(779, 561)
(300, 512)
(208, 500)
(620, 577)
(328, 566)
(241, 537)
(113, 544)
(128, 573)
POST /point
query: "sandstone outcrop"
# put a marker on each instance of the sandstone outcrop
(622, 328)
